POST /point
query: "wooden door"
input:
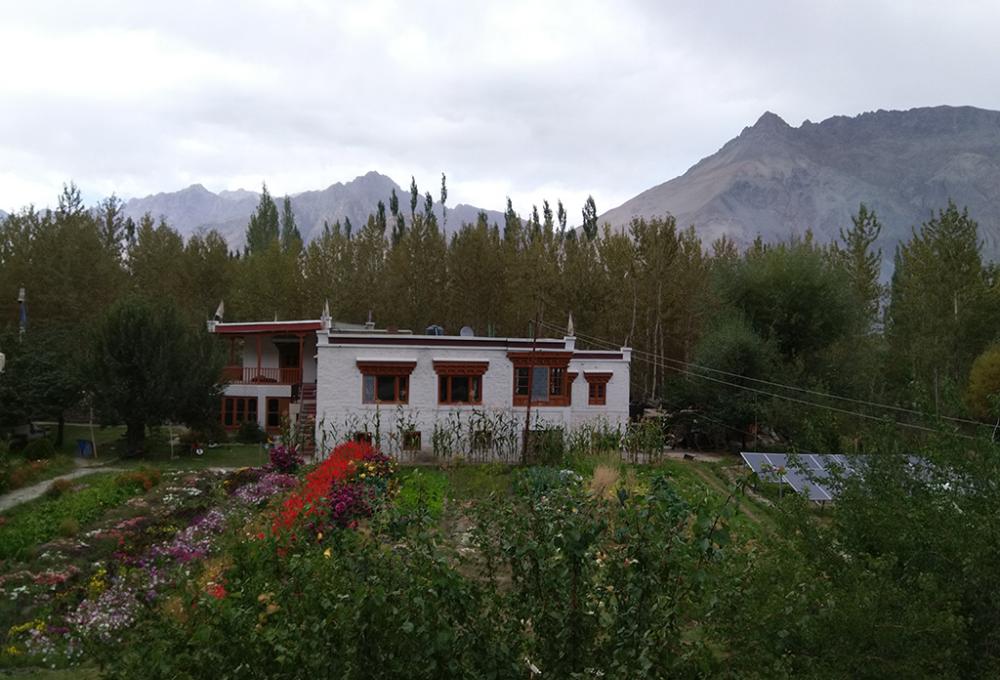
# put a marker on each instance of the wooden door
(277, 411)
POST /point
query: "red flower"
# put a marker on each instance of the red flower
(217, 590)
(309, 500)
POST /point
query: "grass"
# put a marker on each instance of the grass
(422, 487)
(47, 517)
(224, 455)
(158, 453)
(105, 437)
(467, 482)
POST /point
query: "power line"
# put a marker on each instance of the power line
(836, 409)
(771, 383)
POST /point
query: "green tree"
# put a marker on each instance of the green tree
(264, 228)
(156, 262)
(148, 367)
(111, 224)
(43, 378)
(590, 219)
(861, 260)
(942, 313)
(444, 200)
(291, 238)
(729, 344)
(414, 197)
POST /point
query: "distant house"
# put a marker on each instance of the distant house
(415, 392)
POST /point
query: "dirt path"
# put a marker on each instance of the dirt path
(30, 493)
(719, 486)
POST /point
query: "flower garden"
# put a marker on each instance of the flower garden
(354, 568)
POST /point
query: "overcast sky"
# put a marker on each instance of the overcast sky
(530, 99)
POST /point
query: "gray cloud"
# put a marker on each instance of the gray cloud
(530, 99)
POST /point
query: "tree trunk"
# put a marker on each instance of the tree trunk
(60, 429)
(135, 437)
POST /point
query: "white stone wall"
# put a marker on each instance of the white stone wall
(268, 352)
(309, 359)
(339, 408)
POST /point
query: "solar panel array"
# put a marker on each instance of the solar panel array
(808, 473)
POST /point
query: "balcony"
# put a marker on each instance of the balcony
(242, 375)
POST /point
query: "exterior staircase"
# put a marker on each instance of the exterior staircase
(307, 418)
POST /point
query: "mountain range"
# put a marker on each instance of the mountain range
(775, 180)
(195, 208)
(772, 180)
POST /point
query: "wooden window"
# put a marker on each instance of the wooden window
(460, 382)
(238, 410)
(597, 388)
(411, 440)
(460, 389)
(385, 382)
(542, 374)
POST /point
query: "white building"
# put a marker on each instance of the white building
(453, 395)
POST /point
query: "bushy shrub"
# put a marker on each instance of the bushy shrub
(58, 487)
(69, 527)
(285, 458)
(250, 433)
(535, 481)
(143, 478)
(208, 433)
(39, 449)
(546, 446)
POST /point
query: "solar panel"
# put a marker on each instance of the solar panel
(811, 474)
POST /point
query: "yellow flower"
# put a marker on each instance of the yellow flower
(12, 650)
(319, 536)
(327, 553)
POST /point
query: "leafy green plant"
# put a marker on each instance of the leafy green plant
(39, 449)
(251, 433)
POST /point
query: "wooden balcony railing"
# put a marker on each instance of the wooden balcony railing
(242, 375)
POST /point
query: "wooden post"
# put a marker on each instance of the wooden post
(531, 376)
(301, 359)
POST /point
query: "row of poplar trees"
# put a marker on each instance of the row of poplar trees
(801, 313)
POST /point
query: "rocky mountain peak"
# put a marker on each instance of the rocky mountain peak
(776, 180)
(770, 122)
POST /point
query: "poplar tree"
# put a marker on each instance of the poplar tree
(862, 262)
(590, 219)
(414, 197)
(444, 200)
(264, 228)
(291, 239)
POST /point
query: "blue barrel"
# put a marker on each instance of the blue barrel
(84, 448)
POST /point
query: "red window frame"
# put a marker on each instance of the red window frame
(597, 388)
(239, 410)
(450, 371)
(555, 365)
(396, 371)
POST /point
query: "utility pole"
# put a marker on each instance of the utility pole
(23, 313)
(531, 376)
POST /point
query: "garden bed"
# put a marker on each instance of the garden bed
(448, 562)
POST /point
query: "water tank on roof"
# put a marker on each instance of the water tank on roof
(434, 329)
(467, 332)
